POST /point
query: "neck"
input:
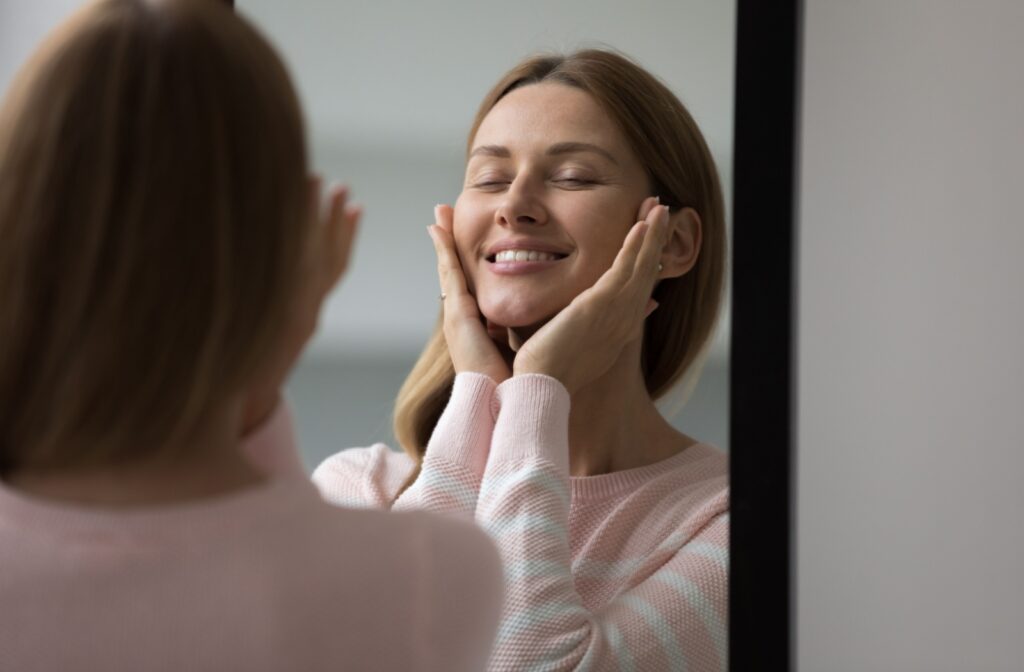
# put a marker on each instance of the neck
(207, 465)
(614, 424)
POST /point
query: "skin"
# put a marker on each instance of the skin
(580, 202)
(579, 319)
(210, 463)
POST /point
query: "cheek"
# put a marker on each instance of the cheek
(599, 238)
(608, 247)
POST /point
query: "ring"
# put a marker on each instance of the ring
(443, 296)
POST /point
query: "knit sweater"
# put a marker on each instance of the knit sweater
(620, 571)
(266, 578)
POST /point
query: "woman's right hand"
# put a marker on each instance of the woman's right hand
(469, 344)
(332, 227)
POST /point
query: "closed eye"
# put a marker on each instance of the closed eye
(490, 185)
(574, 182)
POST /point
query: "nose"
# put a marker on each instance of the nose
(522, 205)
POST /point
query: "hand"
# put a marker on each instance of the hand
(583, 341)
(469, 343)
(331, 234)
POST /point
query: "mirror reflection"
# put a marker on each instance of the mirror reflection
(616, 529)
(394, 129)
(527, 342)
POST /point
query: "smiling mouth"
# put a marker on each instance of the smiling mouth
(506, 256)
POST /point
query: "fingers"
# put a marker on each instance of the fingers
(646, 206)
(449, 269)
(515, 341)
(443, 217)
(630, 281)
(642, 246)
(622, 268)
(647, 260)
(339, 223)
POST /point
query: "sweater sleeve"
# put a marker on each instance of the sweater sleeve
(674, 619)
(453, 466)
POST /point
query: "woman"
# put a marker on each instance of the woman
(163, 263)
(532, 407)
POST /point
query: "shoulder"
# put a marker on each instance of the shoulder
(459, 590)
(368, 571)
(700, 476)
(424, 543)
(363, 477)
(704, 493)
(437, 578)
(686, 497)
(432, 554)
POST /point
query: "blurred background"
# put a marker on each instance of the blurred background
(389, 90)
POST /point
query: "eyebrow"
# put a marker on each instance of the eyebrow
(502, 152)
(573, 147)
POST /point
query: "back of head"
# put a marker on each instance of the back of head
(153, 203)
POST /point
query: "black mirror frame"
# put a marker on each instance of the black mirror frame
(762, 381)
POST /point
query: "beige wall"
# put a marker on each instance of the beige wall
(910, 461)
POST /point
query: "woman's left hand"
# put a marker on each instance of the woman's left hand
(583, 341)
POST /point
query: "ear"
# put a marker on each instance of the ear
(682, 248)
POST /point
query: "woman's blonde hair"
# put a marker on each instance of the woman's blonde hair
(681, 171)
(153, 200)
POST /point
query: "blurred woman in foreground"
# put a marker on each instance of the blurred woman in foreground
(163, 263)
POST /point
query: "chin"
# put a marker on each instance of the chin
(517, 313)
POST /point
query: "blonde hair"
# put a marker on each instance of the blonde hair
(681, 171)
(153, 199)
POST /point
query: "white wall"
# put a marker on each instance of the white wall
(910, 461)
(390, 89)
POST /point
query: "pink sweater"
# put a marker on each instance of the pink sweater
(622, 571)
(269, 578)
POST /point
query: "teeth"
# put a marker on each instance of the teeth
(524, 255)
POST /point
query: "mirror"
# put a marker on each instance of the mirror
(390, 90)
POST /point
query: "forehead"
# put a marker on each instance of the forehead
(538, 115)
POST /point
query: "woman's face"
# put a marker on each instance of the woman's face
(551, 189)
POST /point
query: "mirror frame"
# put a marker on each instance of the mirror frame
(762, 376)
